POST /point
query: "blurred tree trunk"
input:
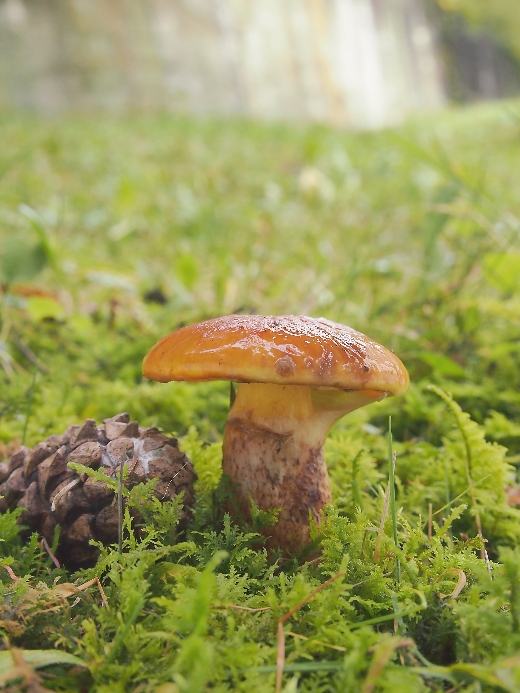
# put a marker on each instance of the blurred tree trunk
(477, 64)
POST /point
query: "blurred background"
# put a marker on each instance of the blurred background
(353, 63)
(166, 161)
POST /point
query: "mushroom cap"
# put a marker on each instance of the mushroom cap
(285, 350)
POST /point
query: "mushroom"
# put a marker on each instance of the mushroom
(297, 376)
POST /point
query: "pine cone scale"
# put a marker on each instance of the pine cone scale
(80, 531)
(33, 478)
(106, 523)
(88, 432)
(4, 472)
(17, 459)
(98, 493)
(16, 484)
(35, 507)
(51, 471)
(41, 452)
(88, 454)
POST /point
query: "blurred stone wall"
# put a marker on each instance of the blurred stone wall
(355, 63)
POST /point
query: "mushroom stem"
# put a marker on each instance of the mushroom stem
(273, 452)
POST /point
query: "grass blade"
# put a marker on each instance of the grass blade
(392, 457)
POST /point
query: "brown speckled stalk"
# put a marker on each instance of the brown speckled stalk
(273, 454)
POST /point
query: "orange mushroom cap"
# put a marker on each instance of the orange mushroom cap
(284, 350)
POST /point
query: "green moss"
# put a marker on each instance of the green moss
(143, 224)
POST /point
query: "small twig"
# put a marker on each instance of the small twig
(88, 584)
(430, 508)
(52, 556)
(11, 573)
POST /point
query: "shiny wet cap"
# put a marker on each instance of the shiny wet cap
(285, 350)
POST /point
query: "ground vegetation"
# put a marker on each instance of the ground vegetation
(115, 231)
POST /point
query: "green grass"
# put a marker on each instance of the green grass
(410, 235)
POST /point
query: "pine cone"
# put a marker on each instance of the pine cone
(83, 507)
